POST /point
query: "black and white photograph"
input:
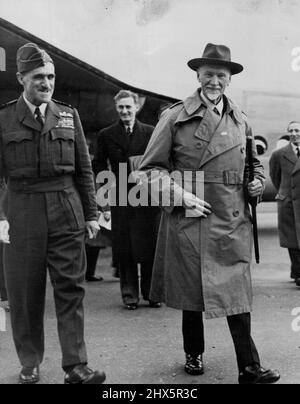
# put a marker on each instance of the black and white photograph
(149, 194)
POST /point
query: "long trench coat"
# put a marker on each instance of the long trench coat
(202, 264)
(285, 175)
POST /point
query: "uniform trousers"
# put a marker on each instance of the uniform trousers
(240, 329)
(295, 261)
(47, 231)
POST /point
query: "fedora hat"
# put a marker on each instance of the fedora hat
(216, 55)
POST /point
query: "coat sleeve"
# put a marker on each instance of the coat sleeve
(84, 179)
(156, 166)
(275, 170)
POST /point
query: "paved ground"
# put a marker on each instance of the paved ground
(145, 346)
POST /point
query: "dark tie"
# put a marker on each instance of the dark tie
(128, 131)
(216, 111)
(38, 116)
(298, 152)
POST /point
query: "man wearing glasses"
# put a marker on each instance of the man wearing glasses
(285, 175)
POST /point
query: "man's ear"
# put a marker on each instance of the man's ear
(20, 78)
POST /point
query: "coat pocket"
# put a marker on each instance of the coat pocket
(74, 210)
(62, 146)
(18, 149)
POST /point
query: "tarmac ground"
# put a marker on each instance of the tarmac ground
(145, 346)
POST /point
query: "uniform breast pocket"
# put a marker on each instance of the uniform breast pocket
(62, 148)
(18, 149)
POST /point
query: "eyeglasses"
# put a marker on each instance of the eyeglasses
(294, 130)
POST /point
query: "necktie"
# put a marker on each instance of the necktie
(216, 111)
(128, 130)
(298, 152)
(38, 116)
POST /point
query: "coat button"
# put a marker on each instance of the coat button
(198, 145)
(236, 213)
(243, 149)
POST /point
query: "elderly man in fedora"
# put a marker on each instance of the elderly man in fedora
(51, 205)
(203, 252)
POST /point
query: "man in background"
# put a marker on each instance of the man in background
(285, 175)
(134, 229)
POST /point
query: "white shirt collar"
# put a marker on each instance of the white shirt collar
(211, 105)
(32, 107)
(295, 147)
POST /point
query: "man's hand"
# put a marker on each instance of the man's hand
(255, 188)
(196, 206)
(92, 228)
(4, 228)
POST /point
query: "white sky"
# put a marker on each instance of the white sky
(146, 43)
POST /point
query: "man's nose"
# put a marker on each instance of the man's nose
(214, 80)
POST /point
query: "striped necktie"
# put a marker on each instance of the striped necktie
(38, 116)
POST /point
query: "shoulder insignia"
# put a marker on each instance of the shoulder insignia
(8, 104)
(62, 103)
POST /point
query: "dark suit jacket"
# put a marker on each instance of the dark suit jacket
(285, 175)
(134, 229)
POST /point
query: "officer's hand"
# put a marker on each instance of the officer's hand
(92, 228)
(4, 228)
(255, 188)
(196, 207)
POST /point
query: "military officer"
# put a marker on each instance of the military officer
(51, 204)
(285, 175)
(203, 254)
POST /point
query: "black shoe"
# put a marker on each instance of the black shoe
(29, 375)
(194, 365)
(297, 281)
(81, 374)
(154, 305)
(94, 279)
(257, 375)
(131, 306)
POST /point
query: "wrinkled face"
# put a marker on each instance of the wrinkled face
(38, 84)
(213, 80)
(294, 132)
(127, 109)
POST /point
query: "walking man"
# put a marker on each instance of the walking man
(202, 261)
(51, 204)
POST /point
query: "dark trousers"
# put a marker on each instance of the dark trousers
(295, 261)
(92, 254)
(129, 281)
(46, 231)
(3, 292)
(240, 329)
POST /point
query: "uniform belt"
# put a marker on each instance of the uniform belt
(44, 184)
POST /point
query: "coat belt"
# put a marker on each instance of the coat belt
(42, 184)
(227, 177)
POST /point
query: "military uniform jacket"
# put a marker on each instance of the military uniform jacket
(59, 149)
(285, 175)
(202, 264)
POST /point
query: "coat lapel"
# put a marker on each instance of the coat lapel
(25, 116)
(119, 136)
(224, 135)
